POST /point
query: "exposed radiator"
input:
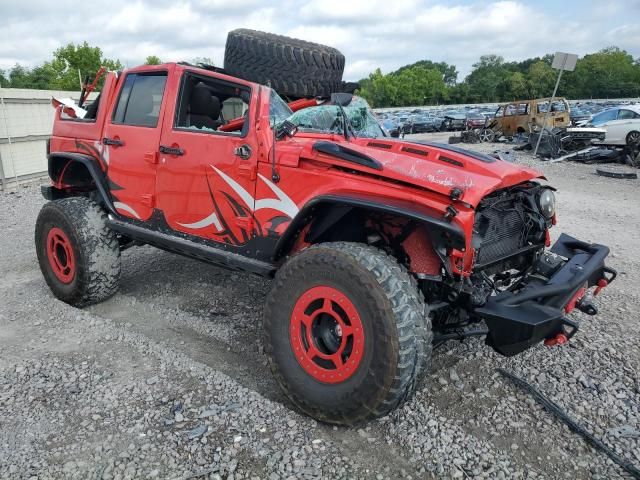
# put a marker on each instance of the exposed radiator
(503, 229)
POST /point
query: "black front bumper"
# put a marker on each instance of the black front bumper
(516, 321)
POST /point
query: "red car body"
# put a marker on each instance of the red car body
(143, 180)
(256, 198)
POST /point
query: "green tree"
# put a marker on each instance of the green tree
(70, 59)
(517, 86)
(611, 72)
(4, 81)
(378, 90)
(411, 85)
(487, 80)
(449, 72)
(541, 79)
(152, 60)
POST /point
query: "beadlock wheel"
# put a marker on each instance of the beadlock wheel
(327, 334)
(79, 255)
(347, 332)
(60, 255)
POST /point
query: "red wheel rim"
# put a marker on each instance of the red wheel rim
(60, 255)
(326, 334)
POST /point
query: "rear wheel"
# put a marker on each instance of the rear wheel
(343, 331)
(79, 255)
(633, 138)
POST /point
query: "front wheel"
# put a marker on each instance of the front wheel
(345, 332)
(78, 254)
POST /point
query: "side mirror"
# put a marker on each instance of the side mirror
(286, 128)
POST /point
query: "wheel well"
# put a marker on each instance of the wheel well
(67, 173)
(74, 174)
(520, 130)
(401, 236)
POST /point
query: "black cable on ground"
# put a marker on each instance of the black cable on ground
(553, 408)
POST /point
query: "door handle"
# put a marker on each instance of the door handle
(116, 142)
(243, 151)
(171, 150)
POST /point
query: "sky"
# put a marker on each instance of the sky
(370, 33)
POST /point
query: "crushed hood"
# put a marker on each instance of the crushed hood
(433, 166)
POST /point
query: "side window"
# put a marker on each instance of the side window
(500, 112)
(140, 99)
(210, 105)
(510, 110)
(604, 117)
(625, 114)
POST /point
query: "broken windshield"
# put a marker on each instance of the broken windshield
(327, 118)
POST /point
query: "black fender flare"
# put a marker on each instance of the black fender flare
(442, 232)
(93, 167)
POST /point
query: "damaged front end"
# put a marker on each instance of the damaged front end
(534, 309)
(521, 290)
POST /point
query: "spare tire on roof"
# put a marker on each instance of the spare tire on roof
(294, 68)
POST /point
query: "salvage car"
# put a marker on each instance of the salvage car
(422, 124)
(453, 121)
(475, 120)
(523, 116)
(622, 125)
(378, 247)
(392, 127)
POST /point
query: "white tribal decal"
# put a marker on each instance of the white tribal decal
(282, 204)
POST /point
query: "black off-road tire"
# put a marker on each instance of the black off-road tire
(397, 338)
(95, 249)
(293, 68)
(424, 348)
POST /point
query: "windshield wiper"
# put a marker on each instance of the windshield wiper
(346, 124)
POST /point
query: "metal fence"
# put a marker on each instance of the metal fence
(26, 118)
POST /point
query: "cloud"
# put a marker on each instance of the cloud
(371, 33)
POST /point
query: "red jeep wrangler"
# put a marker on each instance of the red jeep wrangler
(380, 247)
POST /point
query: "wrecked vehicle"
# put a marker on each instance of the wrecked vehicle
(558, 142)
(524, 116)
(379, 247)
(622, 125)
(453, 122)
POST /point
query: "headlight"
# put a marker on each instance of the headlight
(547, 203)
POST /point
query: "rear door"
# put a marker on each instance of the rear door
(131, 139)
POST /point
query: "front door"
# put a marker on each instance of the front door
(207, 170)
(131, 139)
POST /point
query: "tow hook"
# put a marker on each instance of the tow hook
(601, 284)
(559, 339)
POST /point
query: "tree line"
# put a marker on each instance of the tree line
(609, 73)
(69, 65)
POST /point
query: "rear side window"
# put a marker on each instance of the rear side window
(140, 99)
(625, 114)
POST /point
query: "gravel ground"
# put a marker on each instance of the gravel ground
(168, 380)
